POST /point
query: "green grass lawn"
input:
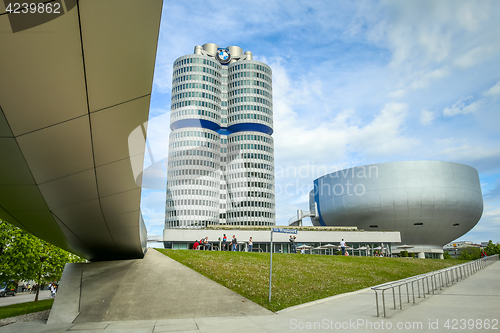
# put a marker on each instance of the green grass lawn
(299, 278)
(25, 308)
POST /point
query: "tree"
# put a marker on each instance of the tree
(470, 253)
(492, 249)
(26, 257)
(446, 255)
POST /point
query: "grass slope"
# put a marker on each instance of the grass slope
(25, 308)
(299, 278)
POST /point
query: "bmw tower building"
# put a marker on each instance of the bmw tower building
(221, 152)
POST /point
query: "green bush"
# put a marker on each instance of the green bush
(404, 254)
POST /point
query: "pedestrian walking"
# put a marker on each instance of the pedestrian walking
(250, 245)
(53, 290)
(224, 241)
(342, 246)
(234, 242)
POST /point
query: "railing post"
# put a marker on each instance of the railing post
(394, 297)
(383, 301)
(400, 303)
(413, 290)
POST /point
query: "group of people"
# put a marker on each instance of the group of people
(234, 244)
(29, 288)
(202, 242)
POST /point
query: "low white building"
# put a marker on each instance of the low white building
(261, 236)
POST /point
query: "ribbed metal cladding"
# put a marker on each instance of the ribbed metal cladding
(221, 152)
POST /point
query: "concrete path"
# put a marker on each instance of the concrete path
(23, 298)
(477, 297)
(152, 288)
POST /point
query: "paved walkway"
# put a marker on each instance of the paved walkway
(23, 297)
(475, 298)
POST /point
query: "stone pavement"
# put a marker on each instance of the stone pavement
(472, 303)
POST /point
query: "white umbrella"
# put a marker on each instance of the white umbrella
(404, 247)
(331, 247)
(304, 246)
(319, 248)
(362, 248)
(377, 248)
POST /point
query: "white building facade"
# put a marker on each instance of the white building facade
(221, 150)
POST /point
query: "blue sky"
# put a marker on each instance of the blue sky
(354, 83)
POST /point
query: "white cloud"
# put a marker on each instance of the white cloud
(397, 94)
(475, 56)
(493, 91)
(463, 107)
(426, 117)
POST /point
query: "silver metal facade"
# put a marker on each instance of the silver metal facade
(430, 202)
(221, 150)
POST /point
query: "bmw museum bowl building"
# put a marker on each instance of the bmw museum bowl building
(429, 202)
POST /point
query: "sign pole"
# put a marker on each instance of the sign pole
(271, 265)
(286, 231)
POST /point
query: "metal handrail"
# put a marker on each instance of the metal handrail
(434, 281)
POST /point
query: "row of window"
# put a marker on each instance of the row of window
(199, 103)
(238, 67)
(260, 204)
(249, 75)
(248, 194)
(197, 212)
(250, 83)
(251, 116)
(251, 155)
(193, 172)
(201, 69)
(250, 99)
(263, 223)
(197, 77)
(191, 202)
(192, 112)
(185, 143)
(194, 85)
(188, 223)
(180, 163)
(251, 137)
(193, 94)
(186, 182)
(196, 60)
(199, 224)
(250, 184)
(198, 134)
(250, 174)
(238, 108)
(251, 165)
(193, 152)
(250, 213)
(250, 91)
(242, 146)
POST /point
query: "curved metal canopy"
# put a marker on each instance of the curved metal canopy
(71, 91)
